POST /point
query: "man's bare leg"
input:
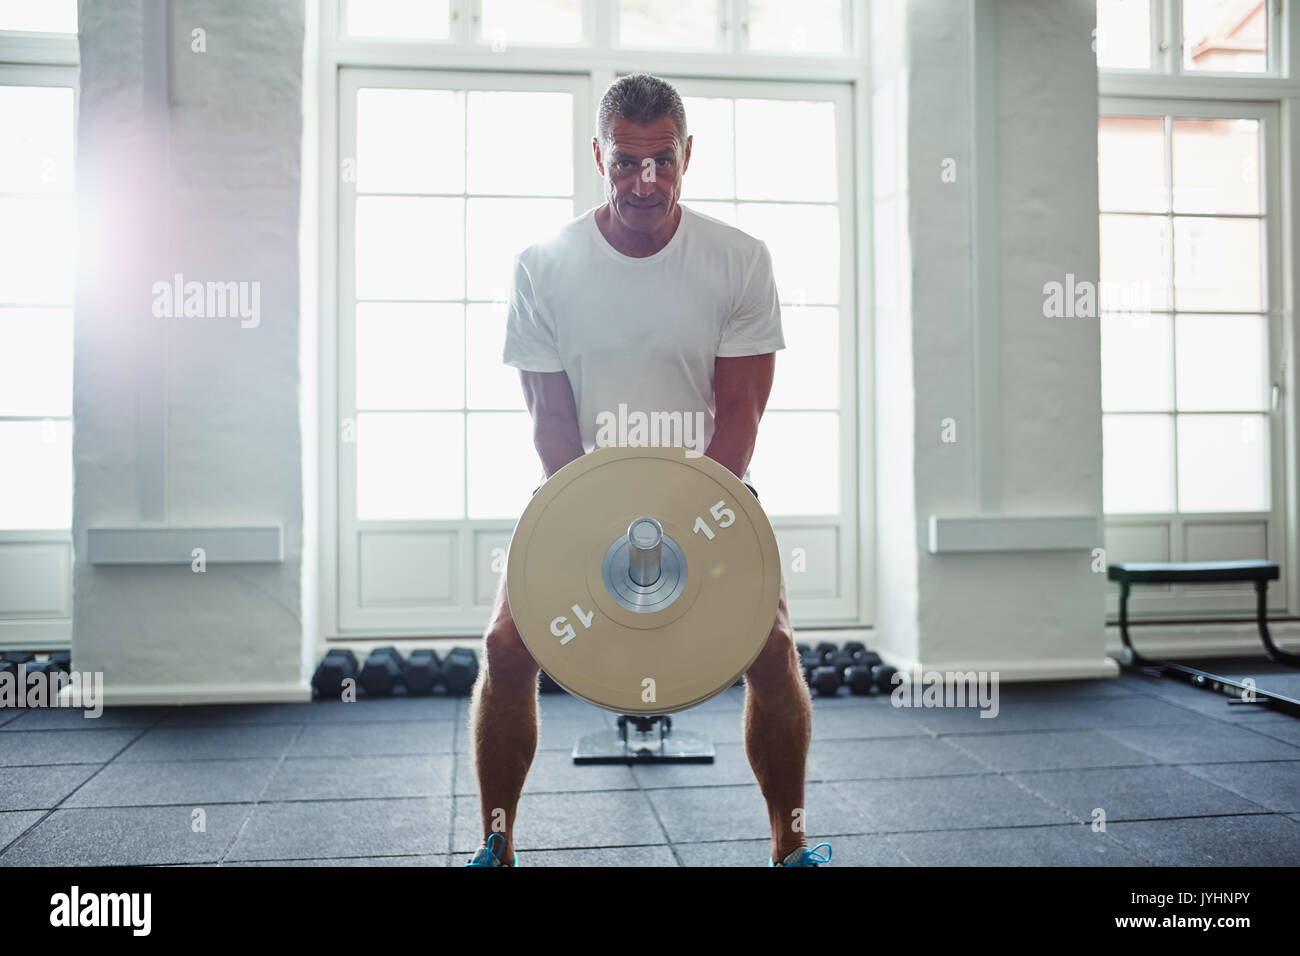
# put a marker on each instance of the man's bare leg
(503, 723)
(778, 730)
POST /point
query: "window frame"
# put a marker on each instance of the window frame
(600, 23)
(406, 619)
(825, 609)
(1280, 88)
(601, 55)
(41, 59)
(598, 64)
(1185, 602)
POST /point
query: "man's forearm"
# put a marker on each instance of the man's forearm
(732, 446)
(557, 445)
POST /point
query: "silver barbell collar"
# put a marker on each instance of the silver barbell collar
(644, 545)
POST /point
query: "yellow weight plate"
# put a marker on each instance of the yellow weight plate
(691, 647)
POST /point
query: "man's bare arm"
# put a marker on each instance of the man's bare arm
(549, 397)
(740, 390)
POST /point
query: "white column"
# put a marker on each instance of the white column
(189, 142)
(994, 108)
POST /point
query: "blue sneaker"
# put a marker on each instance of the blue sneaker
(805, 857)
(490, 855)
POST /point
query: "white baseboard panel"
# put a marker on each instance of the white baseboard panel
(32, 633)
(170, 695)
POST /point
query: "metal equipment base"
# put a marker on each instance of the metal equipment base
(1257, 572)
(637, 740)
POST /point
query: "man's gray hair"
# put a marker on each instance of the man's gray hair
(640, 98)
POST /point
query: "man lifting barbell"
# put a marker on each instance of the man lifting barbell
(644, 303)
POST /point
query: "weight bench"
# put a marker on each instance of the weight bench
(1206, 572)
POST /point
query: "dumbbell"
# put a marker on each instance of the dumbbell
(382, 671)
(459, 671)
(420, 672)
(46, 667)
(841, 660)
(883, 676)
(837, 666)
(825, 679)
(337, 666)
(809, 661)
(858, 675)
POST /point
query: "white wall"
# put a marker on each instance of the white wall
(189, 162)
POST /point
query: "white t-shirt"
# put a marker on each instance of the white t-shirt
(638, 336)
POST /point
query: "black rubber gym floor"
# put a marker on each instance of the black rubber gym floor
(1182, 779)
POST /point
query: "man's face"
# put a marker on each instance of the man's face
(643, 167)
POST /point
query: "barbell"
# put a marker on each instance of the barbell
(644, 580)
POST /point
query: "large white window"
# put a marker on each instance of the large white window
(1193, 329)
(37, 274)
(445, 174)
(435, 447)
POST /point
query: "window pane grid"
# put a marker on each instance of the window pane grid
(37, 274)
(1194, 482)
(475, 416)
(476, 212)
(472, 183)
(805, 317)
(811, 28)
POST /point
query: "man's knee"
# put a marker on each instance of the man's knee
(505, 657)
(778, 655)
